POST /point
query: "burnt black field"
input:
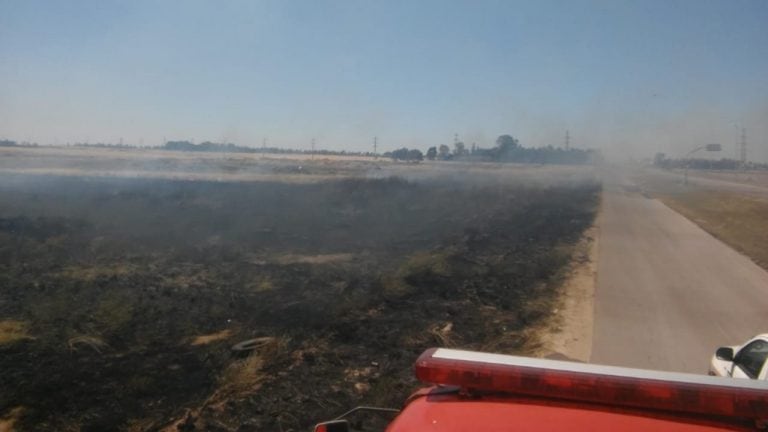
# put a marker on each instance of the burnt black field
(123, 298)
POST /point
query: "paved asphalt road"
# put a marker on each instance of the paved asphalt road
(696, 179)
(668, 294)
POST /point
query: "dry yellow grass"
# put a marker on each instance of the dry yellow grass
(313, 259)
(238, 380)
(8, 421)
(242, 377)
(395, 285)
(442, 334)
(91, 273)
(741, 221)
(12, 331)
(213, 337)
(263, 284)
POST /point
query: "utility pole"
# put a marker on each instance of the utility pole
(567, 140)
(375, 147)
(313, 148)
(743, 146)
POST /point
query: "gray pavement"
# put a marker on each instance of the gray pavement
(668, 293)
(698, 179)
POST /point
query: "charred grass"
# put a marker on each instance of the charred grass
(120, 300)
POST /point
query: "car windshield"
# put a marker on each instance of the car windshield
(256, 215)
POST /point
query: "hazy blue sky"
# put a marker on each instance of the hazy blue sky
(629, 77)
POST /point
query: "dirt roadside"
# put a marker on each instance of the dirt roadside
(568, 335)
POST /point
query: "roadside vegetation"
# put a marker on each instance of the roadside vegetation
(738, 220)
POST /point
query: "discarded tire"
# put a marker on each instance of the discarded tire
(253, 344)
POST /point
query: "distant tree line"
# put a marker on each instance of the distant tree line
(508, 149)
(10, 143)
(208, 146)
(108, 145)
(660, 160)
(404, 154)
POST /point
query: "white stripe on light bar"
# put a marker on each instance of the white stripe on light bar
(558, 365)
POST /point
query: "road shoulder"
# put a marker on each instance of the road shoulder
(568, 334)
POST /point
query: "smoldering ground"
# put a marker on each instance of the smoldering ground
(122, 298)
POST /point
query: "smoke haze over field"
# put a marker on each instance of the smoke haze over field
(629, 78)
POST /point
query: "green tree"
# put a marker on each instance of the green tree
(400, 154)
(432, 153)
(415, 155)
(444, 152)
(505, 146)
(506, 143)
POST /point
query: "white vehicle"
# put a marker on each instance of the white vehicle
(744, 361)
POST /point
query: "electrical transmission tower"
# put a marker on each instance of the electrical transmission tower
(567, 140)
(375, 147)
(313, 148)
(743, 146)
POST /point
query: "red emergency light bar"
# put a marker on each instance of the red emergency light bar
(609, 385)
